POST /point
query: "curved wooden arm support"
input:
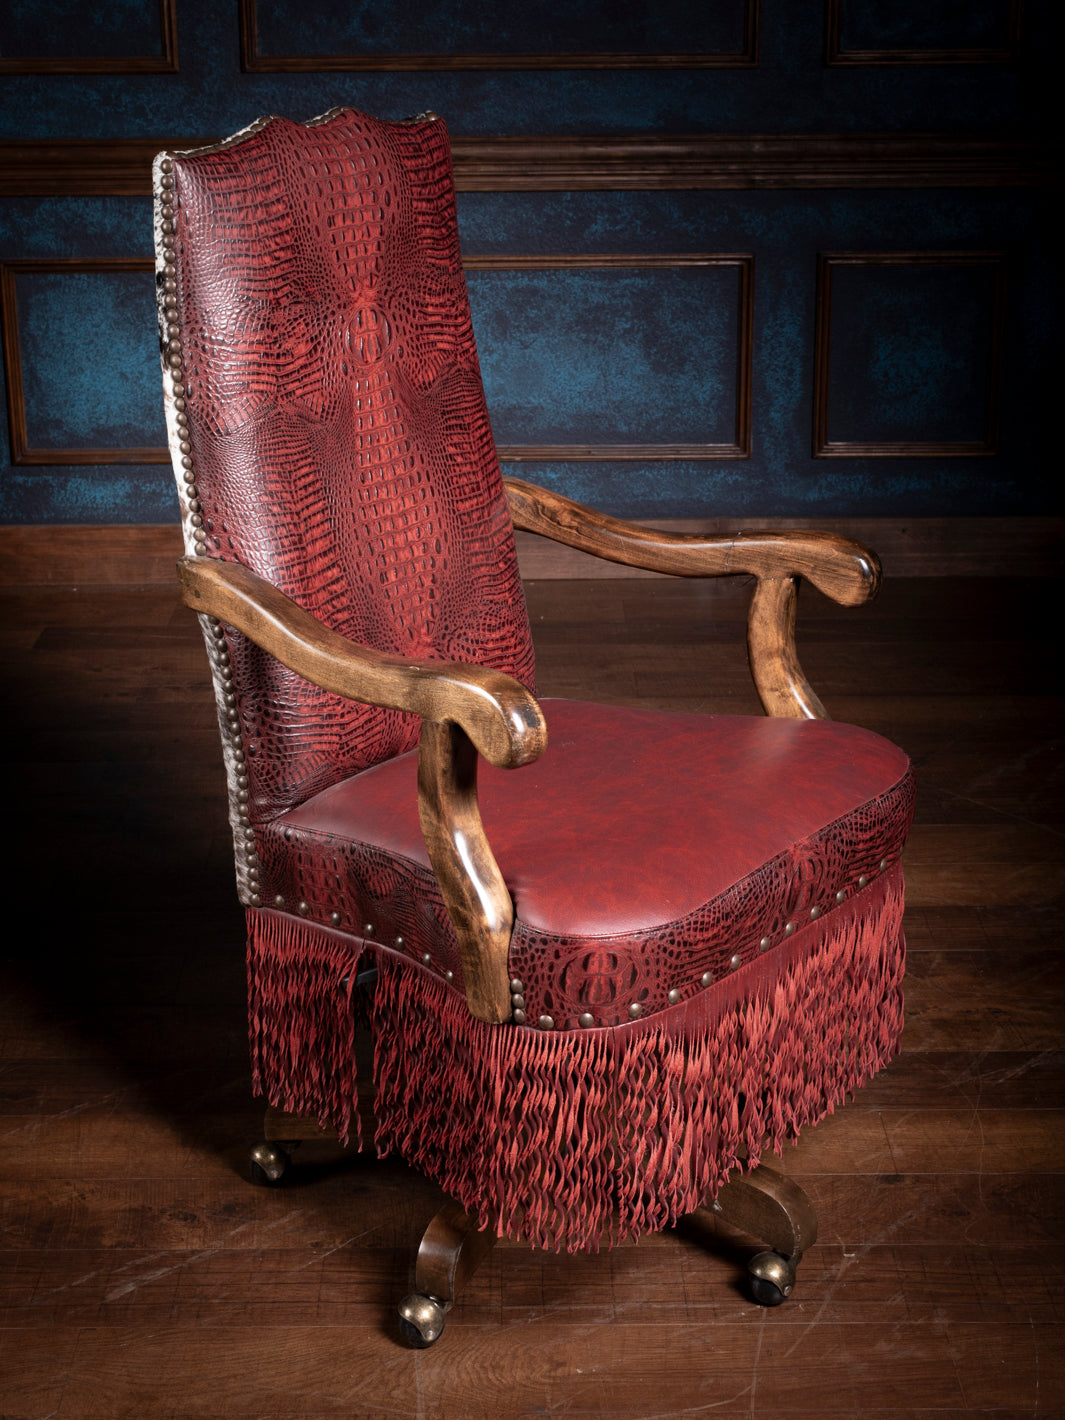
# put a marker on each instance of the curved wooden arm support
(472, 886)
(463, 709)
(782, 687)
(844, 570)
(500, 716)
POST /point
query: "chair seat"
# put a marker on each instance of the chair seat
(649, 855)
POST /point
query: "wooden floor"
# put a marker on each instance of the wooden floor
(142, 1275)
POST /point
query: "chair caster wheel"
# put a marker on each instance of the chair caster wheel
(267, 1164)
(421, 1320)
(772, 1278)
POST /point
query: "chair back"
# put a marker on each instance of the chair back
(328, 423)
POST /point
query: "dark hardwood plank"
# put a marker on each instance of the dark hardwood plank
(612, 1370)
(142, 1274)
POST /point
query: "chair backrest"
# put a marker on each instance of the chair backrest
(328, 422)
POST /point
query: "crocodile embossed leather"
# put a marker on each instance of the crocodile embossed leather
(337, 424)
(707, 948)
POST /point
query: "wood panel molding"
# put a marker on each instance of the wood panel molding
(252, 61)
(165, 62)
(142, 554)
(739, 447)
(1004, 53)
(826, 447)
(22, 451)
(567, 162)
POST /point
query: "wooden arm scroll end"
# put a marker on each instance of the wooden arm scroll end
(837, 566)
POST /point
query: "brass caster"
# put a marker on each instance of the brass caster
(772, 1278)
(421, 1320)
(267, 1163)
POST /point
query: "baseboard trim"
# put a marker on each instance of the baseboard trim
(144, 554)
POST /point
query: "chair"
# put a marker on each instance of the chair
(598, 989)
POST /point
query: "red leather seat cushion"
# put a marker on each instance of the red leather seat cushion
(672, 841)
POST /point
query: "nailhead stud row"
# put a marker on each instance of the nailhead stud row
(173, 354)
(219, 652)
(586, 1020)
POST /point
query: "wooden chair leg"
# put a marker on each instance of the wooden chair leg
(270, 1157)
(452, 1248)
(771, 1207)
(766, 1205)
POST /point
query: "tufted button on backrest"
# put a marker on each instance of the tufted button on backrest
(340, 442)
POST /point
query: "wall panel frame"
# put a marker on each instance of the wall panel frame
(739, 446)
(22, 451)
(1004, 53)
(254, 62)
(826, 447)
(165, 62)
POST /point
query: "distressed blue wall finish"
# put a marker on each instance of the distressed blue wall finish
(615, 356)
(783, 231)
(601, 356)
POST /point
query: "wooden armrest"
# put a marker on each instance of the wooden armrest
(500, 716)
(463, 708)
(844, 570)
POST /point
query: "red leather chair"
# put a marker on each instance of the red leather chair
(601, 987)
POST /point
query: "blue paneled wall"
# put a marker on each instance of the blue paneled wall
(817, 350)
